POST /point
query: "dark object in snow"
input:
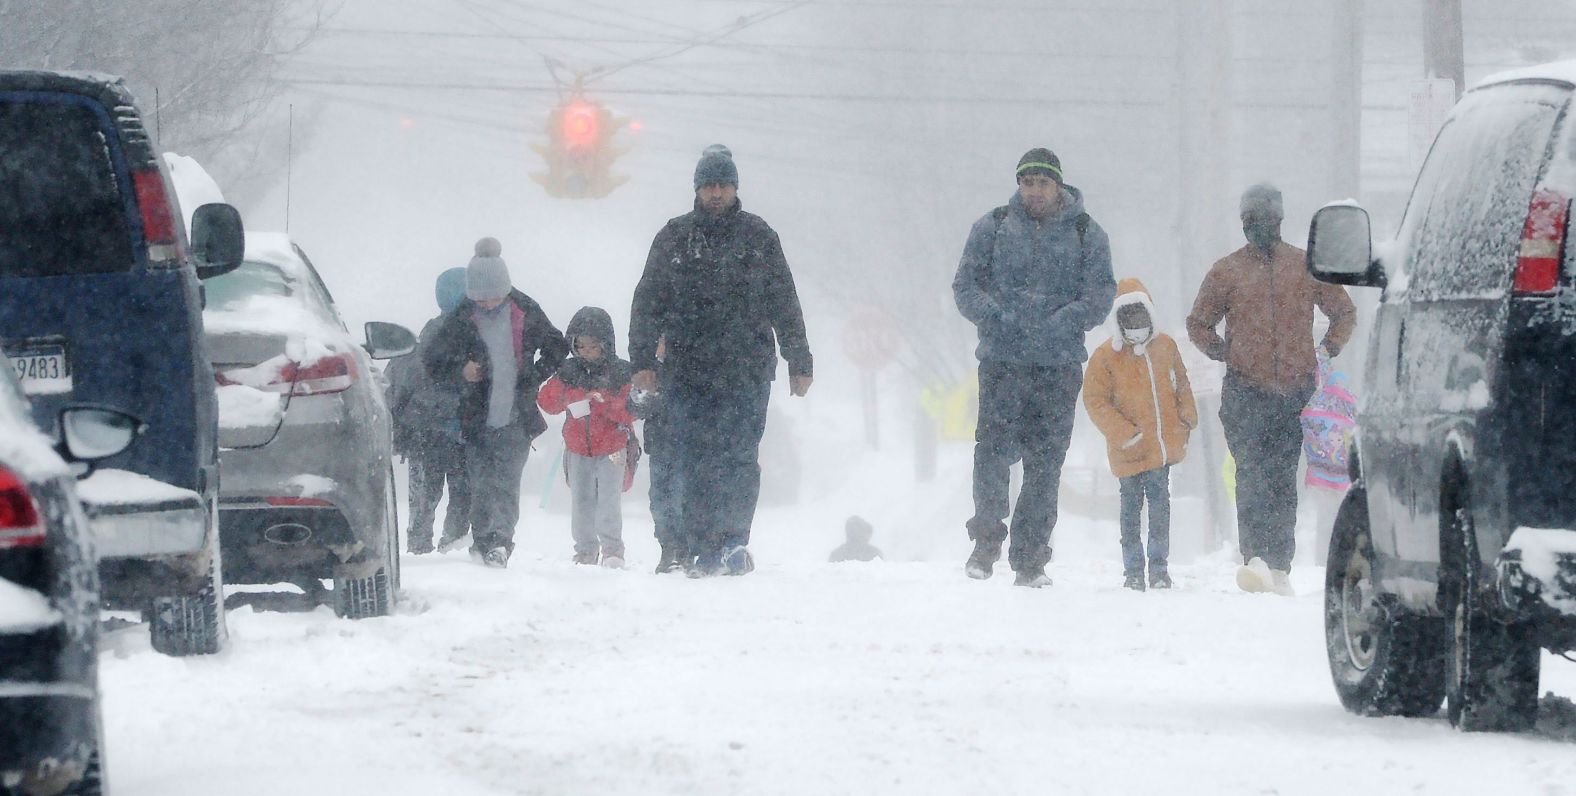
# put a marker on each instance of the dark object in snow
(1453, 556)
(1266, 297)
(100, 303)
(857, 547)
(49, 624)
(314, 498)
(1034, 277)
(718, 294)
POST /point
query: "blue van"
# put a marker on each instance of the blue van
(100, 303)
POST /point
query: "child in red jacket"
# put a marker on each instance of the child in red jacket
(593, 387)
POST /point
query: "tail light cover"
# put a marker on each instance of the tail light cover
(1542, 243)
(19, 523)
(158, 217)
(335, 372)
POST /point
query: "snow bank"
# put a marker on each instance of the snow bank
(23, 610)
(122, 487)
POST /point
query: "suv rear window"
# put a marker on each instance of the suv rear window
(61, 208)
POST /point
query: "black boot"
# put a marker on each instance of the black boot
(1134, 581)
(987, 536)
(1158, 578)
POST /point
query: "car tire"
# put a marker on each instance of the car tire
(1493, 683)
(376, 595)
(192, 624)
(92, 781)
(1384, 661)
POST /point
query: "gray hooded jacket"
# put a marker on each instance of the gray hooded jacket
(1031, 288)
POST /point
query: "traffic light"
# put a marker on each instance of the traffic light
(580, 151)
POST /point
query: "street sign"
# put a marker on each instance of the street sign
(870, 339)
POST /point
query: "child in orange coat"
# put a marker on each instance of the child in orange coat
(1137, 393)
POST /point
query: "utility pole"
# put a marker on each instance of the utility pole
(1443, 52)
(1203, 113)
(1346, 99)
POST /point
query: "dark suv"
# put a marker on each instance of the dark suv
(1453, 558)
(100, 304)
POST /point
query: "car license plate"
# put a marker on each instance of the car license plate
(42, 370)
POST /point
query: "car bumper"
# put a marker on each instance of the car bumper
(134, 531)
(1537, 573)
(48, 733)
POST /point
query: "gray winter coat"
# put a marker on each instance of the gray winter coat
(1030, 288)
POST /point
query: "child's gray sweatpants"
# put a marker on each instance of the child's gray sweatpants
(596, 519)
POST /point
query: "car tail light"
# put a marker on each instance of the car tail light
(330, 374)
(19, 525)
(158, 217)
(1542, 242)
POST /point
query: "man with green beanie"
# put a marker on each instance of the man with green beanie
(1034, 277)
(718, 294)
(426, 420)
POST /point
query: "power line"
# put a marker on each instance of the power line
(536, 88)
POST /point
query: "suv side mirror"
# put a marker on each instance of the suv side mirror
(388, 340)
(91, 433)
(1340, 247)
(218, 240)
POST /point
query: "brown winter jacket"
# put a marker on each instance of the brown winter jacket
(1139, 389)
(1267, 304)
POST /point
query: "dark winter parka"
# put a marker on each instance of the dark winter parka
(606, 429)
(539, 348)
(1033, 288)
(424, 410)
(718, 288)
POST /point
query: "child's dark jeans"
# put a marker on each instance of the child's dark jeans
(1153, 486)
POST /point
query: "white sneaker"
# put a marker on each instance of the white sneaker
(1255, 577)
(1280, 583)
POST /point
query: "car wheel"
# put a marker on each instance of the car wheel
(376, 595)
(192, 624)
(1493, 684)
(92, 781)
(1384, 661)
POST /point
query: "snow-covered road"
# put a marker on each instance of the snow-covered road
(801, 678)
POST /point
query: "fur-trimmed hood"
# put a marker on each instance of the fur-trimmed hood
(1131, 291)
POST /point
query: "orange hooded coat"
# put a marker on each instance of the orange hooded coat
(1139, 389)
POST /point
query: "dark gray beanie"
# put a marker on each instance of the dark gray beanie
(487, 278)
(1040, 161)
(716, 167)
(1262, 199)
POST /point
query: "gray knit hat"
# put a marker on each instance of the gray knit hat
(487, 278)
(716, 167)
(1263, 199)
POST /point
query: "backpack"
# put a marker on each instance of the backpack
(985, 274)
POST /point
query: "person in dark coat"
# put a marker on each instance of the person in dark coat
(497, 347)
(1034, 277)
(426, 420)
(647, 407)
(718, 291)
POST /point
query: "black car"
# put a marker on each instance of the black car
(100, 303)
(50, 740)
(1453, 557)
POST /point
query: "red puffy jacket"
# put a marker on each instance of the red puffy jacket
(601, 433)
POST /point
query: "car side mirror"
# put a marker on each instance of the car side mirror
(91, 433)
(388, 340)
(218, 240)
(1340, 247)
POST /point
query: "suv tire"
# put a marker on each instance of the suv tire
(192, 624)
(1493, 684)
(1384, 661)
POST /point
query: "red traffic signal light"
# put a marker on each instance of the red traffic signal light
(581, 127)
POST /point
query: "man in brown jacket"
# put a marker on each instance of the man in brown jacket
(1266, 297)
